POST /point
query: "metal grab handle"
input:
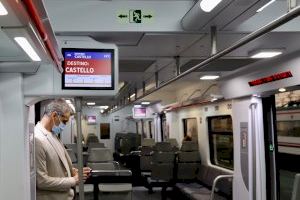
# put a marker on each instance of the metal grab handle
(252, 152)
(216, 180)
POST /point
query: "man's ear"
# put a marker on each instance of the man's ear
(53, 114)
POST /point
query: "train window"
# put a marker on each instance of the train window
(288, 128)
(288, 140)
(190, 128)
(221, 141)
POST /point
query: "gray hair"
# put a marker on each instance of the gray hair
(58, 105)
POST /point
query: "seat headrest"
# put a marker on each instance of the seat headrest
(148, 142)
(173, 142)
(146, 151)
(92, 138)
(100, 155)
(96, 145)
(189, 146)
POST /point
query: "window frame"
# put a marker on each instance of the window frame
(211, 137)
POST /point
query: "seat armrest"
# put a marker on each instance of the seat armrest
(117, 164)
(111, 173)
(216, 180)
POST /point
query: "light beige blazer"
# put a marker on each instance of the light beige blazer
(52, 179)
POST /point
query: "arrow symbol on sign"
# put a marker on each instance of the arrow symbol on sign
(123, 16)
(147, 16)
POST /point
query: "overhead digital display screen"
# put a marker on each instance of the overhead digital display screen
(91, 119)
(88, 69)
(139, 112)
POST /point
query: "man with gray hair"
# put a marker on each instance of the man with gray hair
(55, 175)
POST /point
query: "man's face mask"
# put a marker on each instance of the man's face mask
(58, 129)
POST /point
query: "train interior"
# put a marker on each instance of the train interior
(198, 104)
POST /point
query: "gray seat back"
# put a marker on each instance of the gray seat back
(72, 155)
(146, 151)
(91, 138)
(148, 142)
(189, 157)
(187, 171)
(207, 175)
(163, 162)
(162, 171)
(296, 188)
(202, 173)
(146, 158)
(188, 161)
(97, 155)
(72, 146)
(189, 146)
(163, 146)
(163, 157)
(95, 145)
(173, 142)
(102, 166)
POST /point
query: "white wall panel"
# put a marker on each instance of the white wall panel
(13, 164)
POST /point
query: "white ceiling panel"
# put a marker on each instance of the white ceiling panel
(275, 40)
(270, 13)
(9, 51)
(202, 47)
(160, 45)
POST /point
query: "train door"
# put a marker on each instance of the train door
(249, 181)
(282, 129)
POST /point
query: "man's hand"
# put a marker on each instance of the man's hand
(86, 174)
(74, 171)
(75, 175)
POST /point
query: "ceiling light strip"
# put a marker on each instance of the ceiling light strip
(266, 5)
(3, 10)
(209, 5)
(25, 45)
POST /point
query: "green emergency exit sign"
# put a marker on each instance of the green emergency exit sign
(135, 16)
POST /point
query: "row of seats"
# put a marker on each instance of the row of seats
(188, 158)
(162, 164)
(183, 170)
(102, 163)
(106, 176)
(211, 183)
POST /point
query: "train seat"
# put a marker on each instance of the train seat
(109, 173)
(146, 156)
(173, 143)
(72, 155)
(296, 188)
(148, 142)
(72, 146)
(188, 162)
(162, 166)
(91, 138)
(95, 145)
(211, 183)
(115, 191)
(189, 146)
